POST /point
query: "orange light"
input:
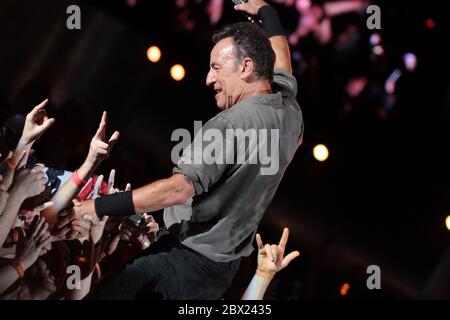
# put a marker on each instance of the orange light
(430, 23)
(344, 289)
(81, 259)
(177, 72)
(154, 54)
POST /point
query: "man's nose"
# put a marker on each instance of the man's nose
(210, 79)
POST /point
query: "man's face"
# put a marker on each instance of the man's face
(224, 74)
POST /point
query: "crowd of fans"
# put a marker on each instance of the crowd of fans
(38, 236)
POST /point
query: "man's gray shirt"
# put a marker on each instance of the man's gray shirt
(221, 220)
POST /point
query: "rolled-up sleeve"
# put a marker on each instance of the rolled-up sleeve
(192, 164)
(284, 82)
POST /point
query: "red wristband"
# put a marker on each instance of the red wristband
(10, 164)
(19, 268)
(76, 179)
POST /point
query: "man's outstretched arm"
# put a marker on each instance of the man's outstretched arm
(283, 55)
(162, 194)
(152, 197)
(272, 26)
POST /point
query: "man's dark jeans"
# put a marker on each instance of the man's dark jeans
(168, 270)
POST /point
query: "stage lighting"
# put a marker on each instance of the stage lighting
(430, 23)
(378, 50)
(132, 3)
(391, 81)
(344, 289)
(177, 72)
(375, 39)
(154, 54)
(447, 222)
(320, 152)
(410, 61)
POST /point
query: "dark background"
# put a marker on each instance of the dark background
(382, 196)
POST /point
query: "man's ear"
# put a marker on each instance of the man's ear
(247, 68)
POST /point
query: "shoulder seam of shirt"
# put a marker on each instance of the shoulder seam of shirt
(228, 119)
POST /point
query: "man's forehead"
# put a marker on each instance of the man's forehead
(222, 50)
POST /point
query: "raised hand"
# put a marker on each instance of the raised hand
(97, 187)
(36, 123)
(30, 182)
(99, 148)
(36, 240)
(112, 177)
(24, 158)
(251, 7)
(271, 258)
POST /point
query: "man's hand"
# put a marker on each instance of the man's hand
(99, 148)
(36, 123)
(251, 7)
(72, 224)
(85, 210)
(62, 227)
(271, 258)
(278, 42)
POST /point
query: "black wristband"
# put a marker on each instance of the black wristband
(115, 205)
(271, 23)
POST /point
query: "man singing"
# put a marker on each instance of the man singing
(212, 209)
